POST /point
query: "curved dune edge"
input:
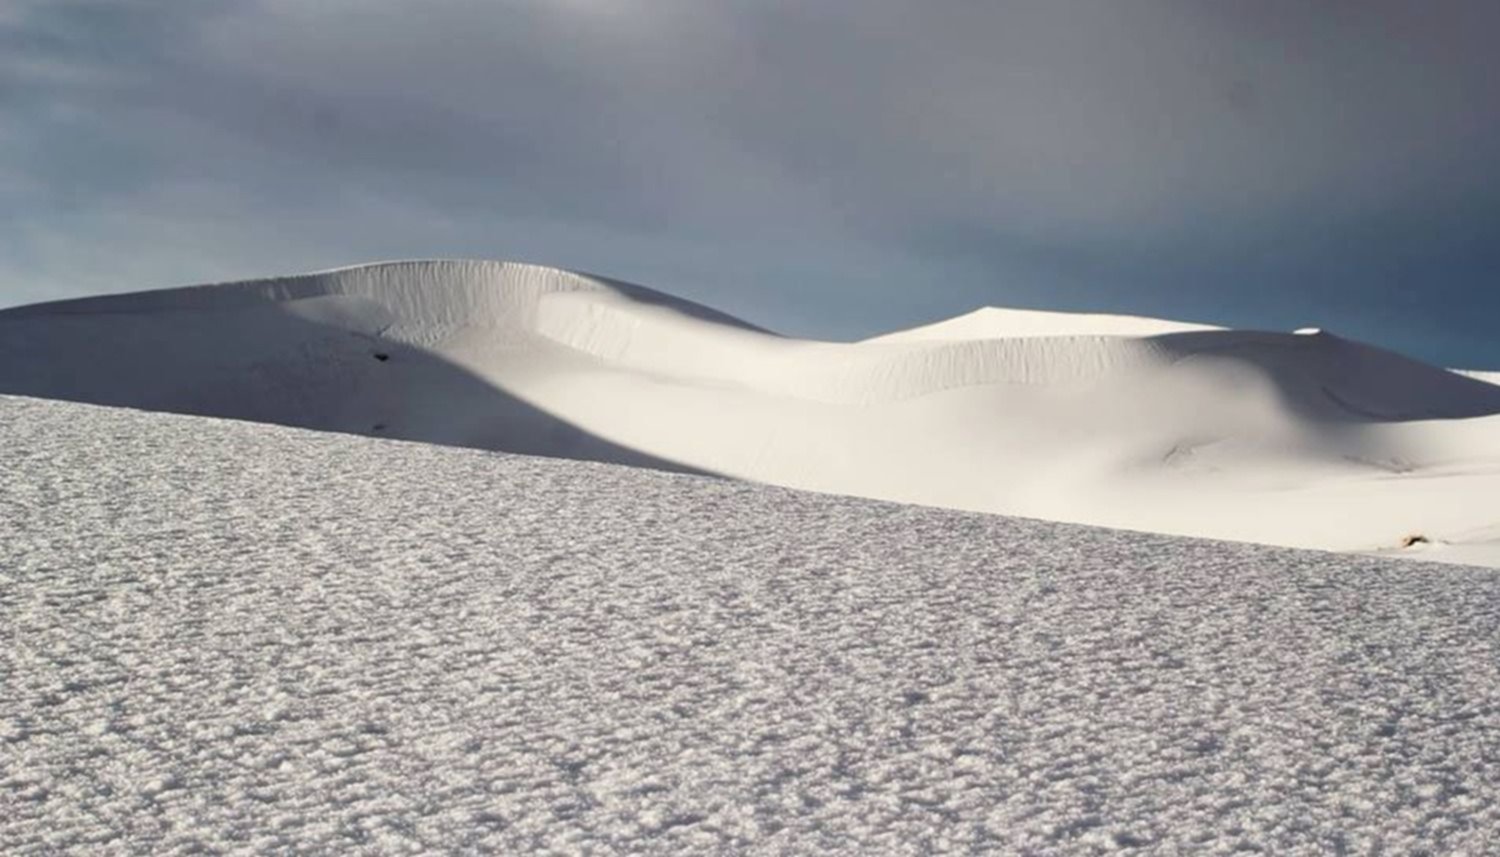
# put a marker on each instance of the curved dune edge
(1004, 323)
(1478, 375)
(1301, 439)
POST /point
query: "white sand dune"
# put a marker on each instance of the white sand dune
(222, 637)
(1002, 323)
(1301, 439)
(1487, 377)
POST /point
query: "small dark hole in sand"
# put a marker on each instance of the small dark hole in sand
(382, 356)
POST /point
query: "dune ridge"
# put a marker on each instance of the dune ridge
(1303, 439)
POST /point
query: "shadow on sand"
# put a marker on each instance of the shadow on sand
(1328, 379)
(265, 364)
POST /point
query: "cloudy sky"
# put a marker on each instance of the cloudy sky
(830, 168)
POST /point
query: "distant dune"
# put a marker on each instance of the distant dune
(1487, 377)
(1302, 439)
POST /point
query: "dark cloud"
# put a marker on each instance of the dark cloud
(831, 168)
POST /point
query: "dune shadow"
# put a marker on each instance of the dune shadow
(1334, 380)
(264, 363)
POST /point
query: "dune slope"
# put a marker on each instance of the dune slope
(230, 637)
(1302, 439)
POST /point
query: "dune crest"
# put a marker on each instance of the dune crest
(1002, 323)
(1303, 439)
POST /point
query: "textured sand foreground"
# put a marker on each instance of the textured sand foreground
(245, 637)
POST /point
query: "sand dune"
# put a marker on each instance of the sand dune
(1003, 323)
(1479, 375)
(1303, 439)
(240, 638)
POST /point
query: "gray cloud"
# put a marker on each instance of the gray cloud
(828, 167)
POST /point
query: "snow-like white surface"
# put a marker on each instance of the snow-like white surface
(1300, 439)
(224, 636)
(1004, 323)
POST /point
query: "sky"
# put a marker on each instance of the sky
(831, 169)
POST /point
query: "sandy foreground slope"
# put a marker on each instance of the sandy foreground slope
(228, 636)
(1298, 439)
